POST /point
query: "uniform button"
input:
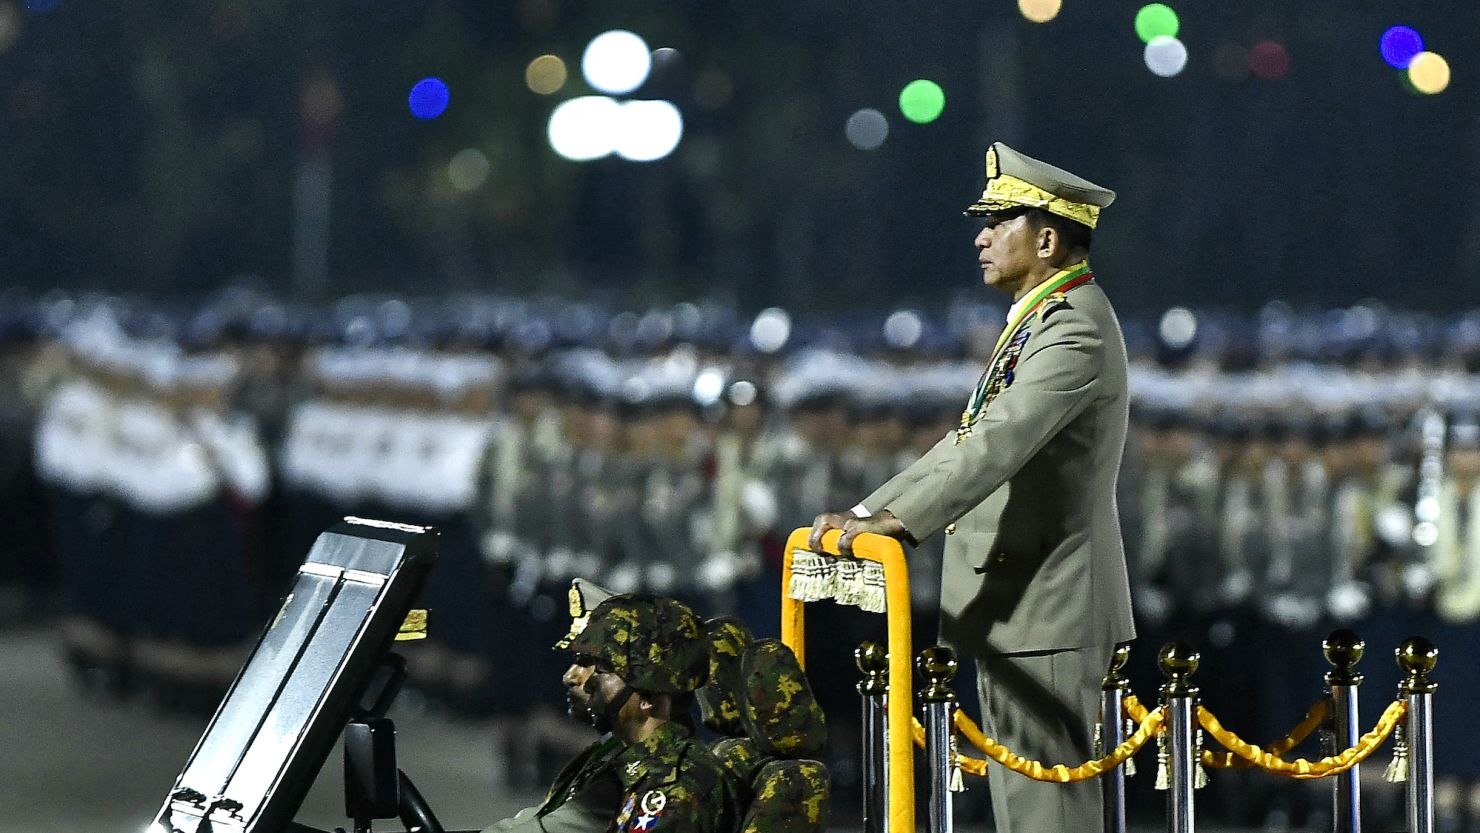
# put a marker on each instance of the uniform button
(1001, 556)
(950, 529)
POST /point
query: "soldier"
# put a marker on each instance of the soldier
(1034, 583)
(638, 661)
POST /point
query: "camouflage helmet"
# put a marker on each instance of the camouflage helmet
(653, 643)
(780, 713)
(726, 638)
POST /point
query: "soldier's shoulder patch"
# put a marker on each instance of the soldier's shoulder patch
(652, 804)
(1053, 303)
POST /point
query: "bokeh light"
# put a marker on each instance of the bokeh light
(1400, 45)
(616, 62)
(867, 129)
(1231, 62)
(1269, 60)
(921, 101)
(1156, 20)
(1429, 73)
(1178, 327)
(545, 74)
(770, 330)
(10, 25)
(903, 329)
(467, 169)
(647, 131)
(581, 129)
(1040, 11)
(1165, 56)
(429, 98)
(713, 89)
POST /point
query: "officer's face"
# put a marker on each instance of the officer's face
(1007, 250)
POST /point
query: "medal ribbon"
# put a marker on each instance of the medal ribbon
(1076, 275)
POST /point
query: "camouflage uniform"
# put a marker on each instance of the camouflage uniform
(669, 780)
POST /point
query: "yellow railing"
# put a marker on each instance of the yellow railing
(888, 553)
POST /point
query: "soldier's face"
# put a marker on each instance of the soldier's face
(1006, 250)
(577, 691)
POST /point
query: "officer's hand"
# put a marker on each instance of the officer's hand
(879, 523)
(824, 522)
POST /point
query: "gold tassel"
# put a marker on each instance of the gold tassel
(1163, 763)
(1130, 763)
(957, 784)
(1397, 770)
(874, 596)
(1199, 774)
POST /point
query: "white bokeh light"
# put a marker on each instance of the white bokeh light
(770, 330)
(903, 328)
(1166, 56)
(1178, 327)
(582, 129)
(647, 130)
(616, 62)
(709, 386)
(867, 129)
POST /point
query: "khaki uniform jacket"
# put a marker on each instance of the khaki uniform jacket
(1035, 559)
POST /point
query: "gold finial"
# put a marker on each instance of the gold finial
(1417, 657)
(1113, 678)
(1343, 649)
(1178, 662)
(991, 162)
(937, 665)
(873, 661)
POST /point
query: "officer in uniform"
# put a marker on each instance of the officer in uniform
(638, 661)
(1034, 581)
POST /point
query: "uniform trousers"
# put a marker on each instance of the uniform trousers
(1043, 705)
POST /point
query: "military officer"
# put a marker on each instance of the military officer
(1034, 580)
(638, 661)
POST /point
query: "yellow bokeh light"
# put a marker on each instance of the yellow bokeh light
(545, 74)
(1429, 73)
(1040, 11)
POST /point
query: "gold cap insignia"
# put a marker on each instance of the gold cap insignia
(414, 627)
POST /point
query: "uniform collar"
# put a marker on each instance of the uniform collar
(1019, 304)
(654, 756)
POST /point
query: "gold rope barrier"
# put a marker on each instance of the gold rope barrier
(1301, 768)
(1313, 720)
(1058, 773)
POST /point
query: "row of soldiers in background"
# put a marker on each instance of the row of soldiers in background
(1262, 500)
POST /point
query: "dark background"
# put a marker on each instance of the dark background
(152, 147)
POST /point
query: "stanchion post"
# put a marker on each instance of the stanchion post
(1112, 734)
(1178, 662)
(937, 667)
(1417, 657)
(1343, 650)
(873, 661)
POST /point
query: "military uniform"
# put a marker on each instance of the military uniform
(664, 780)
(1034, 582)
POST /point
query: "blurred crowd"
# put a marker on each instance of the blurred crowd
(168, 465)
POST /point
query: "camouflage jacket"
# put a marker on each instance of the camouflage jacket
(672, 783)
(590, 779)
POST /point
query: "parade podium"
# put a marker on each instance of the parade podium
(325, 652)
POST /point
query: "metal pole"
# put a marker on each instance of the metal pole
(937, 666)
(1343, 650)
(1112, 734)
(1417, 657)
(1178, 662)
(873, 661)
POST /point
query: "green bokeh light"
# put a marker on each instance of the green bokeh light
(922, 101)
(1156, 19)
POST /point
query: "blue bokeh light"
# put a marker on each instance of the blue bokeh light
(429, 98)
(1400, 45)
